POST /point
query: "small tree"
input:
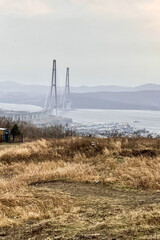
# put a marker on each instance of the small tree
(15, 131)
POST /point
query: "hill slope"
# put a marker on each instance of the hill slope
(145, 97)
(142, 100)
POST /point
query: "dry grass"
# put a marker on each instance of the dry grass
(136, 224)
(131, 163)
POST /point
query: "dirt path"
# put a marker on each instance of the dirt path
(97, 204)
(76, 189)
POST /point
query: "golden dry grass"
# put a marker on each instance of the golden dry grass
(133, 163)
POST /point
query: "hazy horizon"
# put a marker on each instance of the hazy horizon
(104, 42)
(78, 86)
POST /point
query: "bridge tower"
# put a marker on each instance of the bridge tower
(52, 104)
(67, 98)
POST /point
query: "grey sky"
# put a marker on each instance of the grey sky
(103, 41)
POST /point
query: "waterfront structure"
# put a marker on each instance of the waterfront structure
(51, 104)
(67, 98)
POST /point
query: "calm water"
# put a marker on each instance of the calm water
(146, 119)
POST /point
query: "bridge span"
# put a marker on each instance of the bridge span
(51, 104)
(27, 116)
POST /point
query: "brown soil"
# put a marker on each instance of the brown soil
(96, 202)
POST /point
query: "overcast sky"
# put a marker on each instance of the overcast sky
(103, 42)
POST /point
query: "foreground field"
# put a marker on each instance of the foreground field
(80, 188)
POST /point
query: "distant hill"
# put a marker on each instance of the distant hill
(145, 97)
(112, 88)
(7, 87)
(17, 87)
(140, 100)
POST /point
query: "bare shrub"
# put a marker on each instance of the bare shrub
(30, 131)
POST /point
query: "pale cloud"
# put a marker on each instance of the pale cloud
(24, 7)
(103, 41)
(145, 12)
(152, 9)
(121, 8)
(115, 8)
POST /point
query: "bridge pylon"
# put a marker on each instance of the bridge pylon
(52, 99)
(67, 97)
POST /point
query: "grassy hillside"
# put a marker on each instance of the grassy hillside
(80, 188)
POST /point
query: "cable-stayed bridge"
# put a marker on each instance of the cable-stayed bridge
(52, 105)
